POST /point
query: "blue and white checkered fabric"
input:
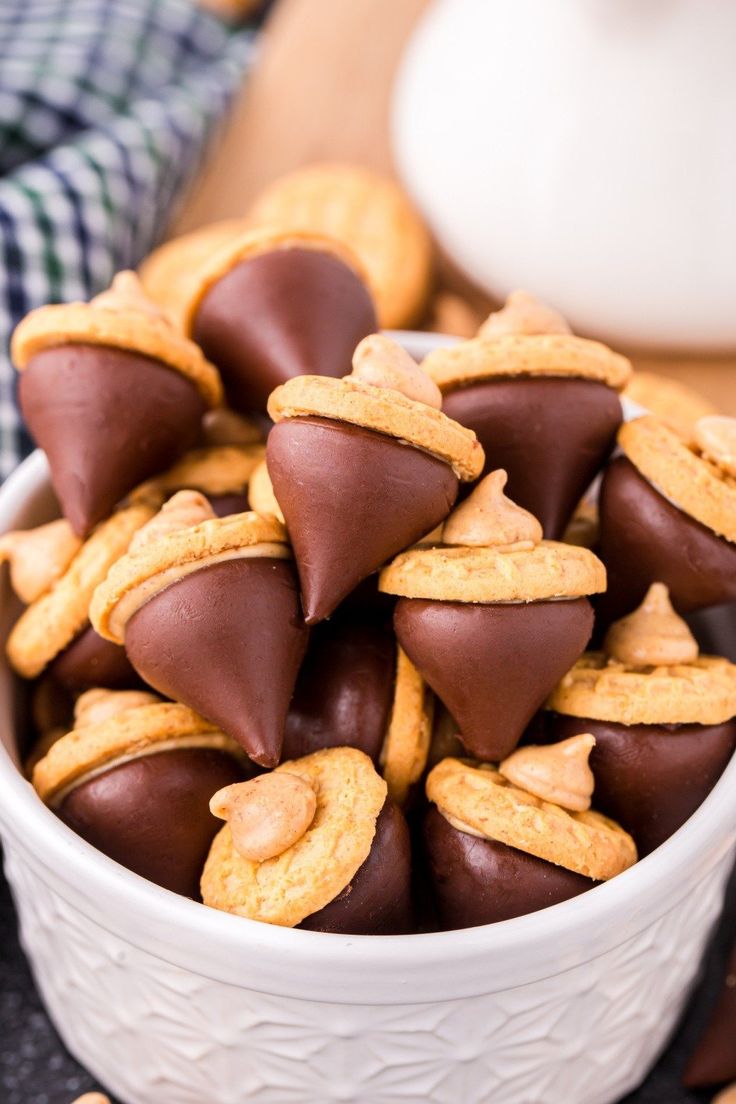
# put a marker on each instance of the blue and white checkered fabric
(106, 107)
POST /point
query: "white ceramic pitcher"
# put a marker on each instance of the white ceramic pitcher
(585, 149)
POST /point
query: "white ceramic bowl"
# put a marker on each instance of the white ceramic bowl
(166, 1000)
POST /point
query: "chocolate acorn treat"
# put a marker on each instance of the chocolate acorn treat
(54, 631)
(220, 472)
(668, 512)
(271, 305)
(134, 778)
(494, 616)
(662, 717)
(714, 1059)
(111, 392)
(357, 689)
(314, 844)
(362, 468)
(543, 402)
(208, 611)
(503, 842)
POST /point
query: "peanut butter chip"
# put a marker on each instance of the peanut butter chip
(38, 557)
(727, 1096)
(126, 294)
(267, 815)
(558, 773)
(95, 706)
(653, 635)
(715, 436)
(183, 510)
(383, 363)
(92, 1098)
(487, 518)
(522, 313)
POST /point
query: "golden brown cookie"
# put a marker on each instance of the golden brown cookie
(52, 622)
(373, 217)
(464, 574)
(169, 273)
(145, 571)
(384, 411)
(676, 404)
(252, 243)
(543, 355)
(127, 735)
(216, 470)
(701, 692)
(406, 745)
(140, 331)
(479, 800)
(313, 871)
(226, 427)
(260, 492)
(695, 485)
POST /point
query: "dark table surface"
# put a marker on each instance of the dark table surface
(36, 1069)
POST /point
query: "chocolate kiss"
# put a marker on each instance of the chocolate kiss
(107, 419)
(227, 641)
(477, 881)
(552, 436)
(344, 691)
(352, 499)
(715, 630)
(643, 538)
(152, 815)
(713, 1061)
(493, 666)
(650, 778)
(91, 661)
(378, 900)
(285, 313)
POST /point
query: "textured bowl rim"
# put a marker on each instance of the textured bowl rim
(347, 969)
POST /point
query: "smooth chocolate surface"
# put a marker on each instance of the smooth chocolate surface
(91, 661)
(378, 900)
(650, 778)
(713, 1062)
(107, 419)
(152, 815)
(477, 881)
(715, 630)
(285, 313)
(493, 666)
(227, 641)
(352, 500)
(344, 691)
(552, 436)
(226, 504)
(645, 539)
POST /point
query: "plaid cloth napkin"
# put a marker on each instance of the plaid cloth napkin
(106, 107)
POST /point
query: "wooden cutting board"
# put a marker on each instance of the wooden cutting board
(320, 91)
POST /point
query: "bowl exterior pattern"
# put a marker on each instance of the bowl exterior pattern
(151, 1030)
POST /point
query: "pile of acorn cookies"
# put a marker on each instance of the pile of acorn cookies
(341, 602)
